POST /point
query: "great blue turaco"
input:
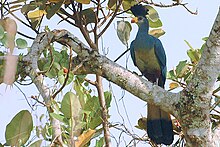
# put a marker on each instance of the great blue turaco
(148, 55)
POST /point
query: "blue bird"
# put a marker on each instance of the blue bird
(148, 55)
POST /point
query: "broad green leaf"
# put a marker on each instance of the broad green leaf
(28, 7)
(4, 40)
(194, 55)
(2, 32)
(62, 76)
(54, 9)
(152, 14)
(126, 4)
(88, 16)
(111, 3)
(123, 31)
(83, 1)
(70, 105)
(189, 45)
(181, 68)
(52, 70)
(57, 56)
(157, 32)
(100, 142)
(57, 116)
(19, 129)
(21, 43)
(155, 24)
(93, 106)
(36, 143)
(187, 76)
(171, 75)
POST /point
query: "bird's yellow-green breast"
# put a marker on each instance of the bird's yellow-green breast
(147, 61)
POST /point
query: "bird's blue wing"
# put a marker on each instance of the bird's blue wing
(161, 56)
(132, 52)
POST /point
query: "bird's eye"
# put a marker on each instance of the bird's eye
(140, 18)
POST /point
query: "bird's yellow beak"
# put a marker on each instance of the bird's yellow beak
(134, 20)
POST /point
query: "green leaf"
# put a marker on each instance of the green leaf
(155, 24)
(53, 10)
(21, 43)
(127, 4)
(2, 32)
(62, 76)
(93, 106)
(57, 56)
(4, 40)
(36, 143)
(70, 105)
(100, 142)
(19, 129)
(57, 116)
(28, 7)
(108, 98)
(52, 73)
(157, 32)
(189, 45)
(171, 75)
(152, 14)
(123, 31)
(181, 68)
(111, 3)
(194, 55)
(205, 38)
(88, 16)
(83, 1)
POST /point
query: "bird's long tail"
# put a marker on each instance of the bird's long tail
(159, 125)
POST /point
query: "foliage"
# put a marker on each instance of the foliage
(79, 109)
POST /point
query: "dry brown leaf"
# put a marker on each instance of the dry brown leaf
(10, 27)
(84, 138)
(10, 69)
(173, 85)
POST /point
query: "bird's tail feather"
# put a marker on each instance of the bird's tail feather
(159, 126)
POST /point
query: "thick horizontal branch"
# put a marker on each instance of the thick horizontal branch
(93, 63)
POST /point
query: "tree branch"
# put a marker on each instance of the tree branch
(32, 58)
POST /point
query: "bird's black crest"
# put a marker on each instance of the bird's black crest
(139, 10)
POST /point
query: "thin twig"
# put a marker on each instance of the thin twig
(24, 96)
(90, 82)
(25, 35)
(121, 55)
(34, 98)
(170, 5)
(216, 103)
(110, 21)
(104, 111)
